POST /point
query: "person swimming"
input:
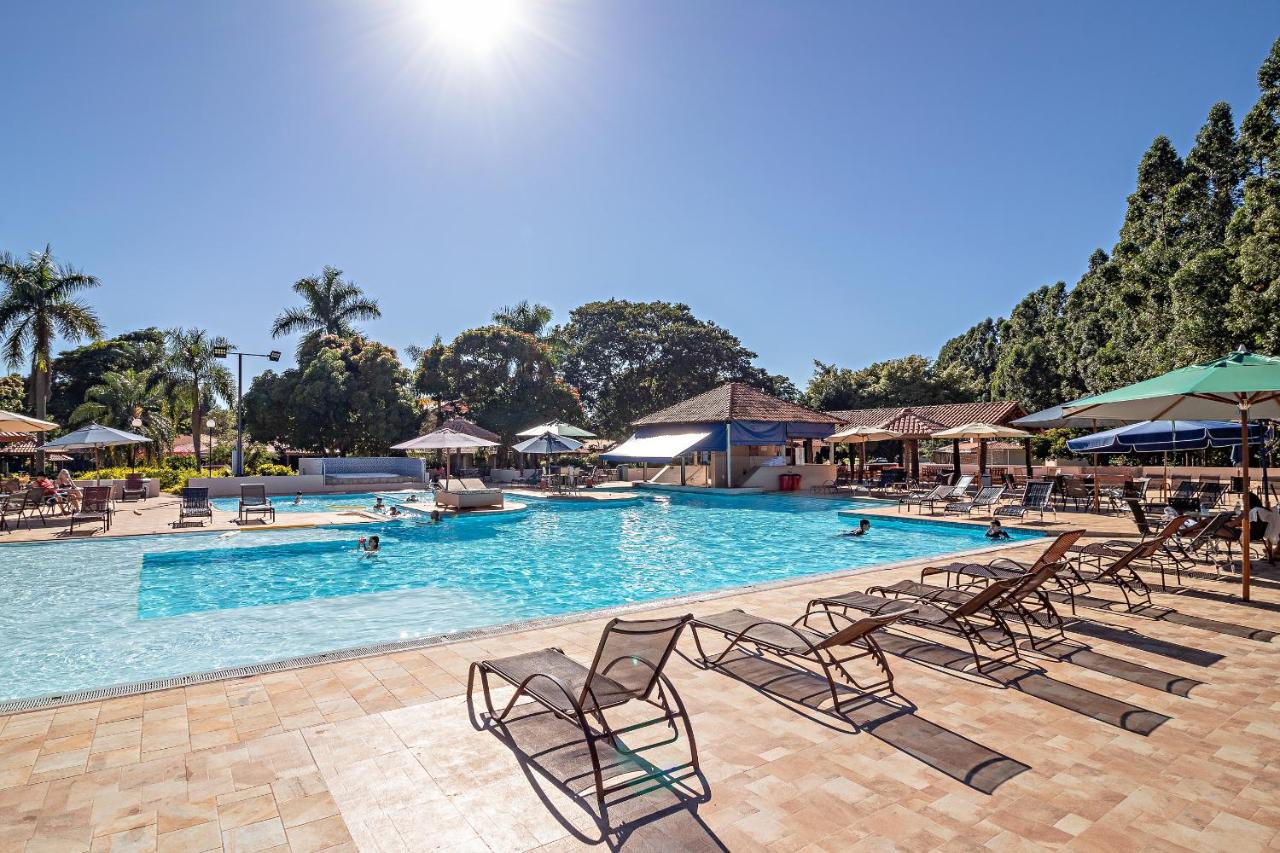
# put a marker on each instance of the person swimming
(412, 499)
(297, 498)
(995, 531)
(435, 516)
(394, 511)
(864, 527)
(369, 546)
(378, 505)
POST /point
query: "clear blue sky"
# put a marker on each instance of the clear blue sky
(887, 173)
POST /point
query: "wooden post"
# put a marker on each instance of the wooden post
(1026, 449)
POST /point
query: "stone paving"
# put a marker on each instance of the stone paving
(1181, 752)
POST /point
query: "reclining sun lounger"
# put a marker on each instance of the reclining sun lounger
(1003, 567)
(799, 640)
(628, 666)
(1159, 559)
(974, 619)
(195, 504)
(955, 493)
(987, 498)
(253, 498)
(468, 493)
(1034, 499)
(921, 498)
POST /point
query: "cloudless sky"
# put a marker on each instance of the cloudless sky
(833, 180)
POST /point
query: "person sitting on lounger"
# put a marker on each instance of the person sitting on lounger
(995, 531)
(369, 546)
(864, 526)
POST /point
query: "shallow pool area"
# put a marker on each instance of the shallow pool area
(94, 613)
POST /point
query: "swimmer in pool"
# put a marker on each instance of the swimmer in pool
(412, 499)
(393, 512)
(379, 506)
(297, 498)
(864, 526)
(435, 516)
(995, 531)
(369, 546)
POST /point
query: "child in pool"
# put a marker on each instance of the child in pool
(864, 526)
(297, 498)
(369, 546)
(995, 531)
(393, 512)
(435, 516)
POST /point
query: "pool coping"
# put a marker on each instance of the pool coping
(59, 700)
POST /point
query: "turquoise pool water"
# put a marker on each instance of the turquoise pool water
(85, 614)
(337, 502)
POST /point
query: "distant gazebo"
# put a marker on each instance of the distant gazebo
(737, 427)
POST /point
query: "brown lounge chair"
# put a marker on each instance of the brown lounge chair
(1027, 601)
(628, 666)
(134, 488)
(1159, 559)
(95, 506)
(799, 640)
(1004, 568)
(468, 494)
(973, 619)
(253, 498)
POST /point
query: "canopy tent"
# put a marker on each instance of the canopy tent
(1165, 436)
(864, 434)
(656, 448)
(1240, 385)
(444, 439)
(95, 437)
(557, 428)
(15, 422)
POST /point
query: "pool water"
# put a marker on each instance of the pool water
(94, 613)
(336, 502)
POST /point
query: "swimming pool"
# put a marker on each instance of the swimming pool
(93, 613)
(335, 502)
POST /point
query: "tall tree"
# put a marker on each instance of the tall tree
(190, 364)
(530, 318)
(331, 307)
(1028, 368)
(908, 381)
(76, 370)
(125, 396)
(39, 301)
(627, 359)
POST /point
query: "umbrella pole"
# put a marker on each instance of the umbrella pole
(862, 462)
(955, 460)
(1245, 566)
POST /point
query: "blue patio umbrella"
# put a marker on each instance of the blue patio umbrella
(1165, 436)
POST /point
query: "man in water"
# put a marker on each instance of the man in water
(864, 527)
(297, 498)
(995, 531)
(378, 505)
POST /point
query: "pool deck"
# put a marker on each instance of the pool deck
(380, 754)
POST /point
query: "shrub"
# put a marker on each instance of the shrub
(270, 469)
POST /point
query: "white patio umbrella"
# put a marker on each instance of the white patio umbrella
(557, 428)
(95, 437)
(444, 439)
(981, 432)
(864, 434)
(14, 422)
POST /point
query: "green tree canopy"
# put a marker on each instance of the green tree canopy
(331, 307)
(908, 381)
(628, 359)
(124, 396)
(530, 318)
(190, 368)
(77, 370)
(13, 393)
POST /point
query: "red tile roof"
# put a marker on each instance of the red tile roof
(948, 415)
(465, 426)
(28, 448)
(735, 401)
(912, 424)
(184, 445)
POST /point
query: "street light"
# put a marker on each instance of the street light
(223, 351)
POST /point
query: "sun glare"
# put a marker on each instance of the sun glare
(477, 27)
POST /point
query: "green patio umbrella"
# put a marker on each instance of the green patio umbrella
(1240, 386)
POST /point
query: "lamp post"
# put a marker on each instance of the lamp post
(237, 462)
(136, 423)
(210, 424)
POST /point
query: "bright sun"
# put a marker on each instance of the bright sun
(477, 27)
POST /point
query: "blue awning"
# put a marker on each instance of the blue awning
(1165, 436)
(745, 433)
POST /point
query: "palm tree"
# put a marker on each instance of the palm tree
(331, 306)
(124, 396)
(189, 363)
(38, 302)
(531, 318)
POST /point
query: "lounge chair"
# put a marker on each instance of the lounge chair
(1026, 600)
(921, 498)
(1161, 559)
(628, 666)
(95, 506)
(195, 504)
(468, 494)
(1210, 496)
(987, 498)
(34, 503)
(957, 492)
(974, 619)
(1004, 568)
(1186, 498)
(801, 641)
(1036, 498)
(134, 488)
(1119, 572)
(253, 498)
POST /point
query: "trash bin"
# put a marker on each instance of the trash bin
(784, 482)
(795, 483)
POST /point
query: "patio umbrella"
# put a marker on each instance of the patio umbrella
(981, 432)
(1239, 386)
(95, 437)
(547, 444)
(444, 439)
(557, 428)
(864, 434)
(14, 422)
